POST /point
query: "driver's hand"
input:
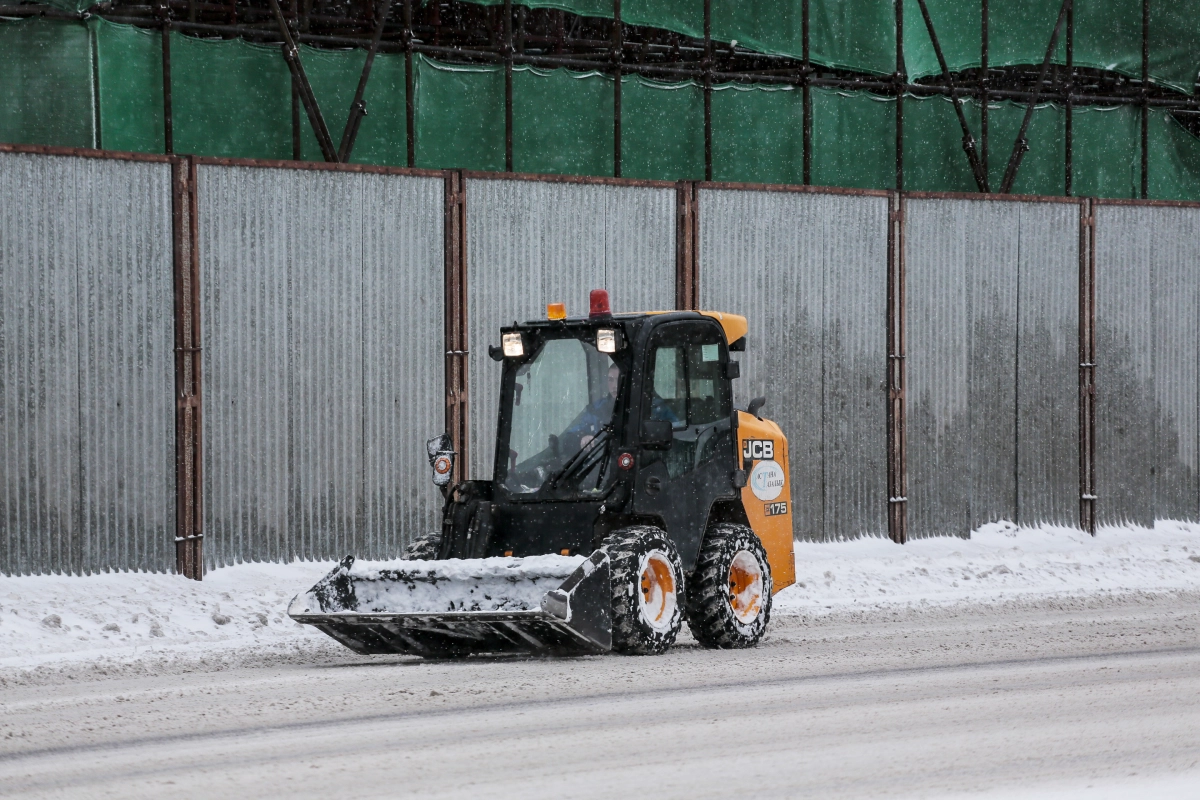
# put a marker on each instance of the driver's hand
(583, 441)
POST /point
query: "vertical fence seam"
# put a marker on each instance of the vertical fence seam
(897, 501)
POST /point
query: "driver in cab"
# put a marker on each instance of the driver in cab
(598, 413)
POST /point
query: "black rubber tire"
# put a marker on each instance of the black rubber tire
(626, 548)
(425, 548)
(710, 613)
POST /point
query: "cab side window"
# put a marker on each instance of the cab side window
(689, 391)
(669, 400)
(707, 400)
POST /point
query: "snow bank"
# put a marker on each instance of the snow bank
(128, 614)
(51, 619)
(999, 562)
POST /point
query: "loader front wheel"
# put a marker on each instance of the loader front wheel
(647, 590)
(729, 604)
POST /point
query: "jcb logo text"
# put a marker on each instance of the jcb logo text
(758, 449)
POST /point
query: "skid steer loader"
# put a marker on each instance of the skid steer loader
(627, 495)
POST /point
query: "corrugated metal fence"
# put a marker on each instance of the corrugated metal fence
(993, 332)
(86, 406)
(810, 272)
(1147, 307)
(1028, 360)
(321, 303)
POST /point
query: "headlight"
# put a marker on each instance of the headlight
(606, 340)
(514, 347)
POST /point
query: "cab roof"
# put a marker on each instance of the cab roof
(735, 326)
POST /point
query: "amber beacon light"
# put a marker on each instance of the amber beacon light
(556, 311)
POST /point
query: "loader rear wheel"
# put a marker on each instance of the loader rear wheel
(647, 590)
(729, 604)
(424, 549)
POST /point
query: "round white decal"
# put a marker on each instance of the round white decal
(766, 480)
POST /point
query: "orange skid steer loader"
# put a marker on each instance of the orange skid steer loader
(628, 494)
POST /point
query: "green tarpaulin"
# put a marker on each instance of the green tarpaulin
(129, 74)
(757, 134)
(1174, 168)
(46, 72)
(1106, 152)
(562, 122)
(853, 140)
(230, 98)
(100, 84)
(662, 130)
(459, 116)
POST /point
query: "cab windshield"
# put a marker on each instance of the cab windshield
(561, 430)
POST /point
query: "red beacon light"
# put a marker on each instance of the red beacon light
(599, 304)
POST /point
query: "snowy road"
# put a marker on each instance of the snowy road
(1094, 697)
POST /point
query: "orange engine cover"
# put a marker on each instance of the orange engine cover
(767, 496)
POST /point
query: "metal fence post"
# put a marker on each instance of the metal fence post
(168, 112)
(1087, 366)
(897, 458)
(455, 304)
(189, 505)
(687, 241)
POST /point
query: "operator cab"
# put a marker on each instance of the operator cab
(607, 421)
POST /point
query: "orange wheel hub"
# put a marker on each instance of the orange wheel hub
(745, 587)
(659, 595)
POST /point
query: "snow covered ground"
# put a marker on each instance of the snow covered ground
(127, 616)
(1000, 562)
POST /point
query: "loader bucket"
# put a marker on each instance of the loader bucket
(543, 605)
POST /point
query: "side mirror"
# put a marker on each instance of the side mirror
(441, 459)
(656, 434)
(755, 406)
(733, 369)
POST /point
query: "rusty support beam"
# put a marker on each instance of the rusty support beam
(618, 45)
(1145, 187)
(707, 76)
(292, 56)
(687, 246)
(806, 175)
(358, 109)
(1021, 145)
(508, 87)
(410, 107)
(1069, 111)
(899, 82)
(984, 35)
(1087, 366)
(168, 112)
(897, 436)
(455, 334)
(189, 516)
